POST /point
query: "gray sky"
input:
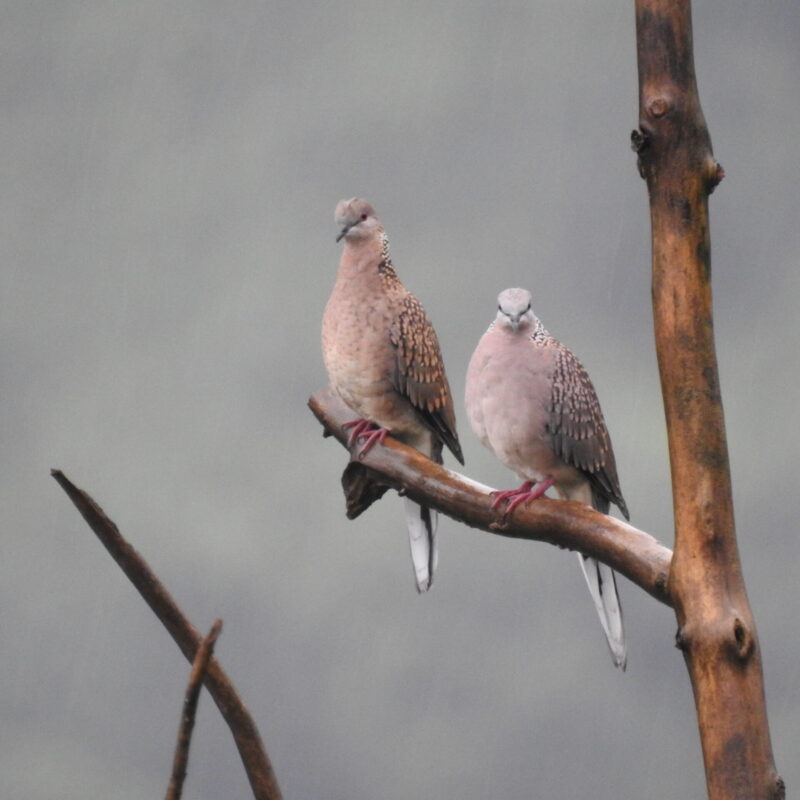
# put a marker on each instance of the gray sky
(169, 175)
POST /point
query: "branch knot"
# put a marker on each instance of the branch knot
(744, 643)
(658, 106)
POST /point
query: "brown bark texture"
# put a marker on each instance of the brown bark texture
(716, 630)
(191, 698)
(635, 554)
(245, 733)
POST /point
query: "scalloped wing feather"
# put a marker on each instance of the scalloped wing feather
(420, 374)
(579, 432)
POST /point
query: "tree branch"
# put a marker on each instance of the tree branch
(181, 759)
(633, 553)
(244, 730)
(716, 629)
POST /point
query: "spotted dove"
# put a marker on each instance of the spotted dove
(384, 361)
(530, 401)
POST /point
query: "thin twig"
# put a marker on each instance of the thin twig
(204, 653)
(245, 733)
(635, 554)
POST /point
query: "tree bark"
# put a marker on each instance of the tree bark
(716, 630)
(191, 698)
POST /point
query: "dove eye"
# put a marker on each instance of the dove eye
(363, 217)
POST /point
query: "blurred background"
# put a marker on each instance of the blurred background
(169, 174)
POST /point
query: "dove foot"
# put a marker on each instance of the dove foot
(515, 497)
(364, 429)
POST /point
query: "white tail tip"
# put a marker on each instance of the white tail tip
(422, 523)
(603, 588)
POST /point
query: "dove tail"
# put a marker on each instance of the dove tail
(603, 588)
(422, 523)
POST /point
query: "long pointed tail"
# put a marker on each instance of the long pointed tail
(603, 588)
(422, 537)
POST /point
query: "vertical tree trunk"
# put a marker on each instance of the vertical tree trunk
(716, 630)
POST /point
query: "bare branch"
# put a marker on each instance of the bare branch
(204, 653)
(716, 629)
(635, 554)
(244, 730)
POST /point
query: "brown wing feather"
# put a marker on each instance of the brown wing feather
(420, 372)
(579, 432)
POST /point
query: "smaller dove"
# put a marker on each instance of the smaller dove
(530, 401)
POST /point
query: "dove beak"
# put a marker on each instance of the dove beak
(344, 231)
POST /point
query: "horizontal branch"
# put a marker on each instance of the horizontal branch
(573, 525)
(245, 733)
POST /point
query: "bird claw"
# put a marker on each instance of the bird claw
(373, 437)
(507, 494)
(515, 497)
(358, 426)
(364, 429)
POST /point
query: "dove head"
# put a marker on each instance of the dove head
(514, 309)
(356, 219)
